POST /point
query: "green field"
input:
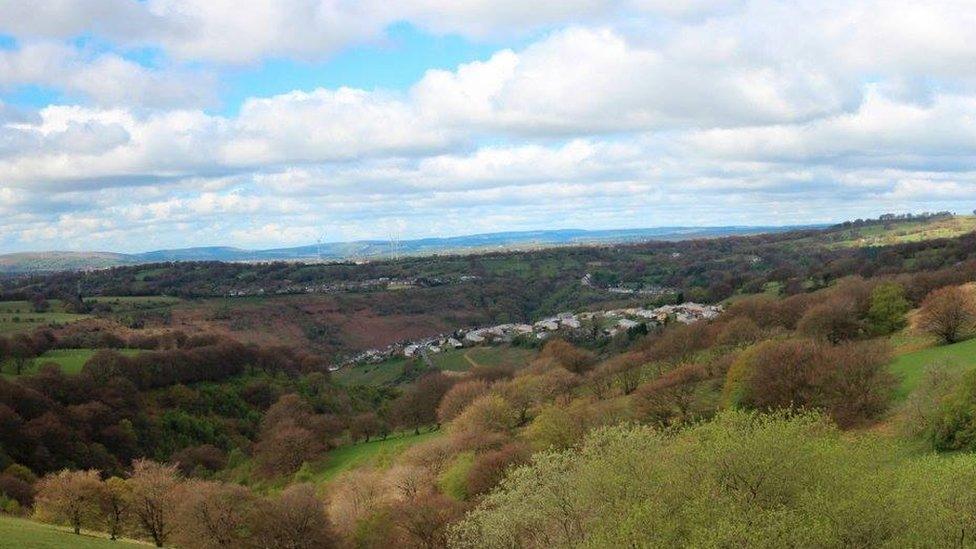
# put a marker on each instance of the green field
(376, 453)
(19, 316)
(70, 360)
(383, 373)
(910, 367)
(459, 360)
(17, 533)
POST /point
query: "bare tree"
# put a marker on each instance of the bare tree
(212, 515)
(70, 497)
(153, 497)
(294, 520)
(115, 505)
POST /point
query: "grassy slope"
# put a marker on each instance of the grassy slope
(908, 231)
(17, 533)
(910, 367)
(376, 453)
(384, 373)
(18, 316)
(462, 359)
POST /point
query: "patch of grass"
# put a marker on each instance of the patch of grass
(18, 533)
(460, 360)
(19, 316)
(383, 373)
(454, 480)
(910, 367)
(375, 453)
(70, 360)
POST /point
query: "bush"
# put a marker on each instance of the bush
(849, 381)
(948, 313)
(835, 320)
(490, 467)
(490, 413)
(453, 481)
(459, 397)
(741, 480)
(888, 308)
(561, 353)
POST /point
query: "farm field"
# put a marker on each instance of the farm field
(19, 316)
(910, 367)
(460, 360)
(18, 533)
(70, 360)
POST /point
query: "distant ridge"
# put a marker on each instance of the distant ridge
(26, 262)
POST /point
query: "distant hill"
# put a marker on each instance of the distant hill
(61, 261)
(369, 249)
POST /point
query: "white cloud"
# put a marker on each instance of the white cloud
(102, 78)
(620, 113)
(328, 125)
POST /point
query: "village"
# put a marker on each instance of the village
(594, 324)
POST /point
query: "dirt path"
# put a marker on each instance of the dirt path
(470, 360)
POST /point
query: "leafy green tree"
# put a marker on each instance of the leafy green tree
(888, 308)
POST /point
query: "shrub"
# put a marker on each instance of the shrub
(561, 353)
(741, 480)
(489, 468)
(835, 320)
(453, 481)
(489, 412)
(459, 397)
(948, 313)
(849, 381)
(888, 308)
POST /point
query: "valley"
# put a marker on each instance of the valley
(372, 403)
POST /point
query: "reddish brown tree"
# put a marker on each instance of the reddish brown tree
(294, 520)
(948, 313)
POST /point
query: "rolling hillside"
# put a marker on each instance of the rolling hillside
(366, 249)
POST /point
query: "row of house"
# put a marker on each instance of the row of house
(607, 323)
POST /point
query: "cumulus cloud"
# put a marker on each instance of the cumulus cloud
(102, 78)
(604, 113)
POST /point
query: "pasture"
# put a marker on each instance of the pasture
(910, 367)
(19, 316)
(18, 533)
(70, 360)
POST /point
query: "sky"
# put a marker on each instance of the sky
(132, 125)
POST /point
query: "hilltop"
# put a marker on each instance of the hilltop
(362, 250)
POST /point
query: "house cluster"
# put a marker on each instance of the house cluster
(586, 324)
